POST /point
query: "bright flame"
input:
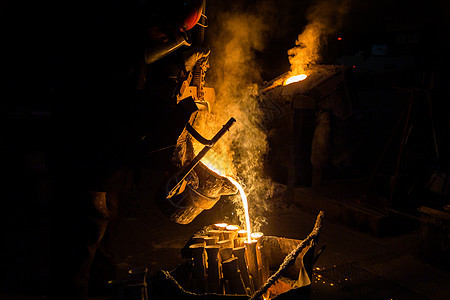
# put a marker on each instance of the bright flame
(295, 78)
(245, 204)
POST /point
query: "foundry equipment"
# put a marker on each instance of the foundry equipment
(297, 120)
(180, 177)
(217, 265)
(195, 187)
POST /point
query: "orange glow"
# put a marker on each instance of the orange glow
(221, 225)
(242, 232)
(245, 204)
(295, 78)
(232, 227)
(256, 235)
(241, 192)
(210, 166)
(339, 39)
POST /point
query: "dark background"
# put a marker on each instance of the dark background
(416, 35)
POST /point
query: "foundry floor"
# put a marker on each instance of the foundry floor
(354, 264)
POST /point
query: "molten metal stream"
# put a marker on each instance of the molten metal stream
(243, 197)
(245, 204)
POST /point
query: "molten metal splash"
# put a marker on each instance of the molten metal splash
(295, 78)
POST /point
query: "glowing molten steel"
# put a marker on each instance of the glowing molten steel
(256, 235)
(245, 204)
(221, 226)
(232, 227)
(243, 197)
(295, 78)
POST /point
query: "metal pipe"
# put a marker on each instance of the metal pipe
(252, 260)
(233, 276)
(263, 266)
(239, 241)
(230, 235)
(198, 136)
(269, 88)
(225, 244)
(218, 233)
(225, 253)
(211, 240)
(242, 264)
(212, 252)
(199, 239)
(199, 278)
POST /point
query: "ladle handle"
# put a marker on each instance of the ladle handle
(186, 170)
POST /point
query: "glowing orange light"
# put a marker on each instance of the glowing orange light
(245, 204)
(232, 227)
(211, 167)
(295, 78)
(221, 225)
(242, 232)
(241, 192)
(256, 235)
(339, 39)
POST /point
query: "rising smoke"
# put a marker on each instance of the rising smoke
(240, 31)
(324, 18)
(234, 72)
